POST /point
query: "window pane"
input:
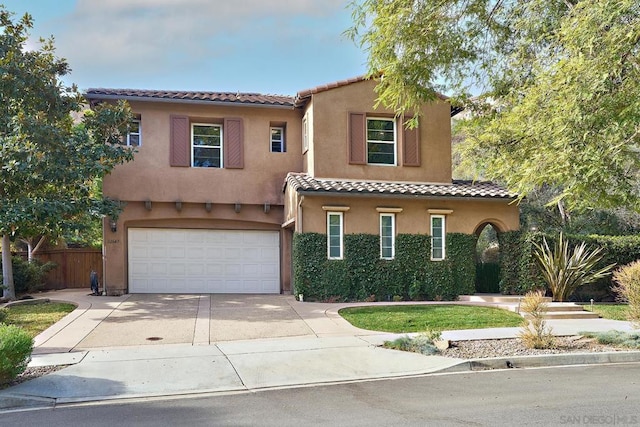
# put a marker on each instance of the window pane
(206, 157)
(276, 134)
(381, 158)
(437, 253)
(380, 130)
(134, 140)
(207, 135)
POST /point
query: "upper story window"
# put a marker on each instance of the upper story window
(381, 141)
(305, 134)
(206, 145)
(277, 139)
(134, 136)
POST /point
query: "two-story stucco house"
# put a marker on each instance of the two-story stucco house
(222, 181)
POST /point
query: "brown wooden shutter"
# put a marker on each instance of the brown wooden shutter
(180, 154)
(410, 146)
(233, 143)
(357, 138)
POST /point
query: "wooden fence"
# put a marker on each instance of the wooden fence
(73, 267)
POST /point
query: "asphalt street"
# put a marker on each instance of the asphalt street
(578, 395)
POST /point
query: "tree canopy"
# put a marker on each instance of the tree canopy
(48, 165)
(559, 84)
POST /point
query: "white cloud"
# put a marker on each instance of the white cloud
(162, 36)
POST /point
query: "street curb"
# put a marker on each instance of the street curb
(544, 360)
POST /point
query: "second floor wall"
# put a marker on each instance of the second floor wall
(200, 153)
(196, 150)
(349, 139)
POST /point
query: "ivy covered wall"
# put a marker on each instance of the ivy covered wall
(362, 275)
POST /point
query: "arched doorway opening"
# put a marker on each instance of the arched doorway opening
(487, 257)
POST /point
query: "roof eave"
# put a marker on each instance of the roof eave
(95, 97)
(402, 196)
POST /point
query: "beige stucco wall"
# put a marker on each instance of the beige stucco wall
(362, 216)
(327, 157)
(149, 176)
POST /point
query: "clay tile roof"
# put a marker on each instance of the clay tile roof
(465, 189)
(308, 92)
(181, 96)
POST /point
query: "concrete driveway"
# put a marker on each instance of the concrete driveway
(152, 319)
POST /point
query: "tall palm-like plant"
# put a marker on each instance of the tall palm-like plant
(565, 270)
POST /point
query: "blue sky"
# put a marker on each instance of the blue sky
(265, 46)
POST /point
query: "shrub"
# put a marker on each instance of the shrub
(535, 333)
(4, 312)
(565, 270)
(616, 338)
(422, 343)
(15, 352)
(627, 279)
(29, 276)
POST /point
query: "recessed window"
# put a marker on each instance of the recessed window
(277, 139)
(133, 138)
(335, 235)
(387, 235)
(437, 237)
(206, 145)
(381, 141)
(305, 134)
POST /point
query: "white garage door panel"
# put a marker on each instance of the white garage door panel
(203, 261)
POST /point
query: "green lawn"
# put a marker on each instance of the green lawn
(35, 318)
(420, 318)
(609, 311)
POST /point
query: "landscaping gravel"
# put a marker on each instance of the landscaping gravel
(476, 349)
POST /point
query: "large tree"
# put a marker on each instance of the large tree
(559, 83)
(48, 164)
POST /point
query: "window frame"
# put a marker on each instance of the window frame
(283, 147)
(376, 141)
(305, 134)
(443, 237)
(340, 215)
(127, 139)
(392, 236)
(220, 148)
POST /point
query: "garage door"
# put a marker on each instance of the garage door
(203, 261)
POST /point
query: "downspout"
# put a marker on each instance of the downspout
(104, 259)
(299, 215)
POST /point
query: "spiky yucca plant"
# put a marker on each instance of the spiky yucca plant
(565, 270)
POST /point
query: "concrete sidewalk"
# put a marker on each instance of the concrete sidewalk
(318, 347)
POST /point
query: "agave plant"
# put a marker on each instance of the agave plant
(565, 270)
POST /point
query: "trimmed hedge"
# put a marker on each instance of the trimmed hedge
(362, 275)
(520, 274)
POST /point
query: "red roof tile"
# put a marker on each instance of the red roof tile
(465, 189)
(213, 97)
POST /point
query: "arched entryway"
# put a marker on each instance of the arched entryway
(487, 257)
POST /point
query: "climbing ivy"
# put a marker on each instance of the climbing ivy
(362, 275)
